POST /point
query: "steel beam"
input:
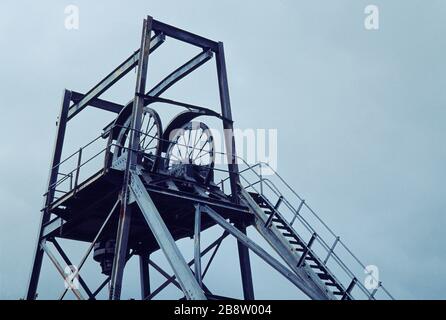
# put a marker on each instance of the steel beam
(287, 273)
(164, 274)
(144, 274)
(216, 244)
(101, 286)
(214, 253)
(186, 279)
(69, 263)
(245, 264)
(153, 94)
(121, 250)
(227, 125)
(180, 73)
(61, 271)
(205, 111)
(52, 226)
(76, 97)
(197, 255)
(173, 281)
(46, 214)
(184, 36)
(113, 77)
(197, 198)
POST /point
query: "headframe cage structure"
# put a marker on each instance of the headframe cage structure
(74, 102)
(142, 201)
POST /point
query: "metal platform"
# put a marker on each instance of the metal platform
(82, 211)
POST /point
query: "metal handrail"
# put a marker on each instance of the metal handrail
(307, 225)
(68, 175)
(309, 228)
(317, 238)
(76, 152)
(321, 240)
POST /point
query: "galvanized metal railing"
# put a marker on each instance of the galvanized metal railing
(292, 211)
(70, 179)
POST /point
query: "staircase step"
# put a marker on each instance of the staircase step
(282, 227)
(338, 293)
(323, 276)
(316, 266)
(287, 234)
(331, 284)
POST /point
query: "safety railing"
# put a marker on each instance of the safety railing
(78, 167)
(344, 265)
(70, 169)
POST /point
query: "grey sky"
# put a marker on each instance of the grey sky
(360, 116)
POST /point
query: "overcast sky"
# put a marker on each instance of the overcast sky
(360, 117)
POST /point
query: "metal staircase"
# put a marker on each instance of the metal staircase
(304, 241)
(302, 249)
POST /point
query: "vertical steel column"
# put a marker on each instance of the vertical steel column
(144, 275)
(46, 215)
(121, 250)
(245, 267)
(227, 122)
(197, 255)
(245, 264)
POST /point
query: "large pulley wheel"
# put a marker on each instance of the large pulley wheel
(192, 145)
(150, 136)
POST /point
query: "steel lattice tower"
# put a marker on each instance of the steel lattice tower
(156, 187)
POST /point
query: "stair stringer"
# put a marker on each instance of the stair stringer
(278, 242)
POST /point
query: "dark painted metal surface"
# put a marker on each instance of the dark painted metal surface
(46, 215)
(180, 73)
(184, 36)
(197, 255)
(69, 263)
(132, 159)
(245, 265)
(144, 274)
(76, 97)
